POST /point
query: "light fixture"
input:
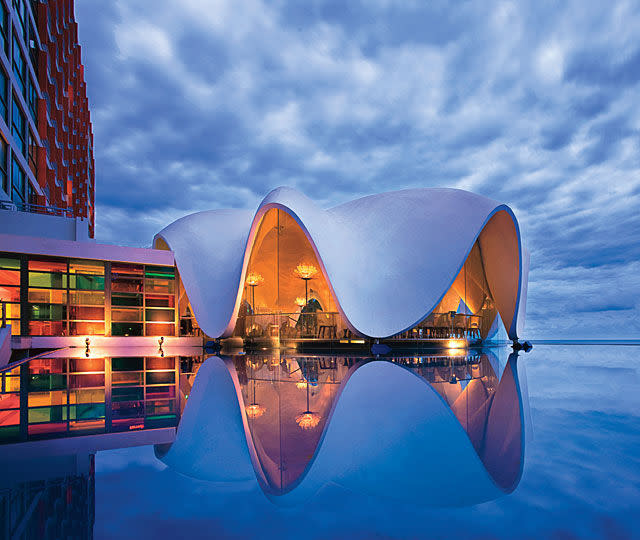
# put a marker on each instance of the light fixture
(254, 409)
(253, 280)
(307, 419)
(305, 272)
(299, 301)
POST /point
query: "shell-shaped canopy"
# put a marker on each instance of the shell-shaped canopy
(388, 258)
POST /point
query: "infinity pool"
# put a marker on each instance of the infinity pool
(580, 475)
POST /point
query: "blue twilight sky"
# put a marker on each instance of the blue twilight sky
(210, 104)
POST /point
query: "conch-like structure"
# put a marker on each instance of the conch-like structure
(388, 259)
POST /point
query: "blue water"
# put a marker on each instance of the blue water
(581, 475)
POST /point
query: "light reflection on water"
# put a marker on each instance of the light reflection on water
(581, 474)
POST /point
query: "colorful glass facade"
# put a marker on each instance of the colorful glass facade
(54, 296)
(61, 397)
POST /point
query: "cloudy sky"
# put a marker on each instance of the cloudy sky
(203, 104)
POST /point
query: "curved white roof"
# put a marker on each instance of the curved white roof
(388, 258)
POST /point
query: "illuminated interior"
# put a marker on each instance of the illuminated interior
(286, 295)
(466, 311)
(60, 296)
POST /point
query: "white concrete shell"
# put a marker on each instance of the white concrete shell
(388, 258)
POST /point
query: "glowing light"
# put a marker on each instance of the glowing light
(253, 279)
(254, 410)
(302, 385)
(300, 301)
(305, 271)
(308, 420)
(456, 344)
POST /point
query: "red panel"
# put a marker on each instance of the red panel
(69, 113)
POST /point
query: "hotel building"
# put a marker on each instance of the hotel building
(46, 141)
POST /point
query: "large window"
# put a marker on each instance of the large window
(4, 95)
(18, 126)
(127, 299)
(19, 66)
(33, 154)
(4, 28)
(33, 100)
(159, 288)
(86, 297)
(48, 295)
(142, 300)
(4, 178)
(286, 296)
(10, 291)
(66, 299)
(20, 7)
(17, 182)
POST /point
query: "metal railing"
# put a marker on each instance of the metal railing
(37, 209)
(444, 326)
(313, 325)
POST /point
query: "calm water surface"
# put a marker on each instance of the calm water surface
(456, 445)
(581, 475)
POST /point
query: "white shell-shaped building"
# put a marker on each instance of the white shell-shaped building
(384, 265)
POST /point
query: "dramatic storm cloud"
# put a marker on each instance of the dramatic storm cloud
(204, 104)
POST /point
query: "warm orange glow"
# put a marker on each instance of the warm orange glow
(302, 385)
(300, 301)
(253, 279)
(305, 271)
(456, 344)
(308, 420)
(254, 410)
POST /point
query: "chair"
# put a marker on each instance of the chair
(460, 325)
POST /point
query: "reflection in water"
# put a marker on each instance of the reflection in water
(52, 499)
(442, 429)
(289, 400)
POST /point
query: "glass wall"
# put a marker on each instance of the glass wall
(48, 296)
(77, 396)
(286, 296)
(466, 311)
(10, 291)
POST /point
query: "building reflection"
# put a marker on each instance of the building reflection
(288, 402)
(51, 499)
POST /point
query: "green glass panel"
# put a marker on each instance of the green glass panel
(9, 433)
(166, 272)
(56, 413)
(159, 315)
(48, 312)
(160, 377)
(45, 382)
(126, 364)
(127, 394)
(126, 329)
(88, 283)
(55, 280)
(164, 420)
(11, 264)
(126, 300)
(86, 411)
